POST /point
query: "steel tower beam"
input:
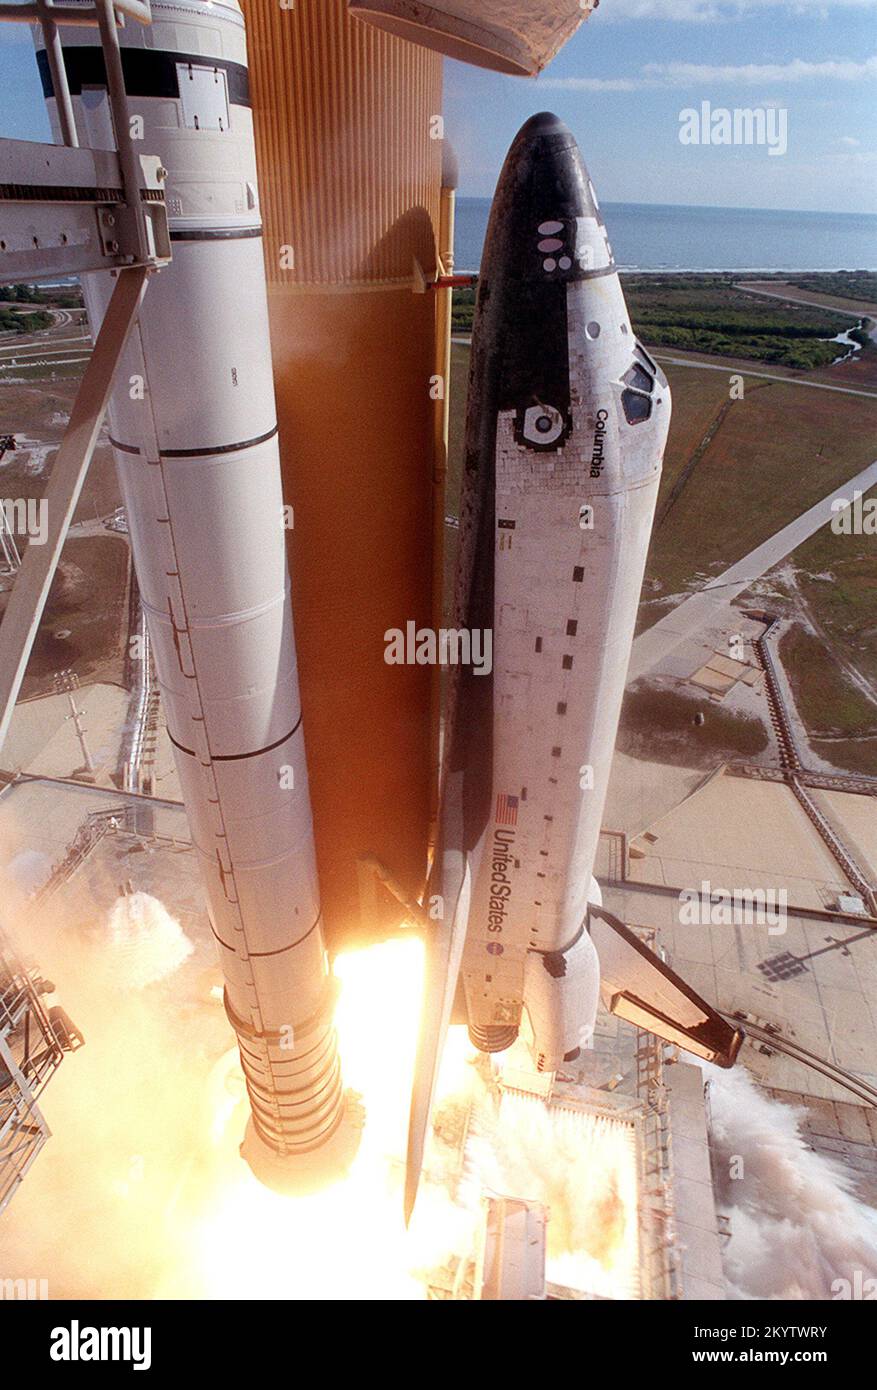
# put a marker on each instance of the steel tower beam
(28, 598)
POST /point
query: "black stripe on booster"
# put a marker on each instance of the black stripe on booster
(238, 757)
(199, 453)
(219, 448)
(124, 448)
(148, 72)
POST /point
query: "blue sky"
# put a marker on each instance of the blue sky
(621, 83)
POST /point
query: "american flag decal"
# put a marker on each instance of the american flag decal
(506, 810)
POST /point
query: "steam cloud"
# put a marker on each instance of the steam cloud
(798, 1231)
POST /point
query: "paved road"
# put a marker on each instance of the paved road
(854, 309)
(32, 349)
(697, 611)
(766, 376)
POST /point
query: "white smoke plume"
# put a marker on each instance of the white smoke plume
(798, 1230)
(582, 1168)
(145, 943)
(95, 1215)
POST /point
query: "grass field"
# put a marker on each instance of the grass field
(828, 703)
(837, 576)
(840, 719)
(776, 453)
(48, 375)
(84, 624)
(858, 286)
(831, 582)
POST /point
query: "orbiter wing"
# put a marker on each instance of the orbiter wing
(636, 985)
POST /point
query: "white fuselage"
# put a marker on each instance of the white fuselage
(572, 534)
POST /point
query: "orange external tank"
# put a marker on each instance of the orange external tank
(349, 148)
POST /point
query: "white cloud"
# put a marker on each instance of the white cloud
(701, 11)
(799, 70)
(701, 74)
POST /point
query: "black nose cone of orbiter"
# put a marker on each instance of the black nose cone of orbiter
(544, 123)
(544, 181)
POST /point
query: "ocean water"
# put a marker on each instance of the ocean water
(648, 236)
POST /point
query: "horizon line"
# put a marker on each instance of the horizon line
(710, 207)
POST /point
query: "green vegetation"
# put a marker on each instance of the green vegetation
(59, 297)
(52, 372)
(837, 578)
(463, 315)
(707, 314)
(849, 755)
(845, 284)
(776, 453)
(835, 582)
(827, 700)
(658, 723)
(20, 294)
(11, 321)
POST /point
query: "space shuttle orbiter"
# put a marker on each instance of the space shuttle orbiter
(567, 420)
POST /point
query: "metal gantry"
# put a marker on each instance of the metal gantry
(64, 211)
(33, 1040)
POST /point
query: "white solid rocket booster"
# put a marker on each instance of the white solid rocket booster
(197, 454)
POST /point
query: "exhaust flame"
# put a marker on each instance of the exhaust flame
(350, 1240)
(147, 1124)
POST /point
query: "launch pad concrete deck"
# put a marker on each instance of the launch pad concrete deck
(42, 739)
(816, 981)
(856, 818)
(736, 832)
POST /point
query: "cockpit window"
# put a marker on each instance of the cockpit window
(637, 406)
(649, 361)
(639, 377)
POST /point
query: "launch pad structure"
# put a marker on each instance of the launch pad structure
(84, 210)
(66, 210)
(33, 1041)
